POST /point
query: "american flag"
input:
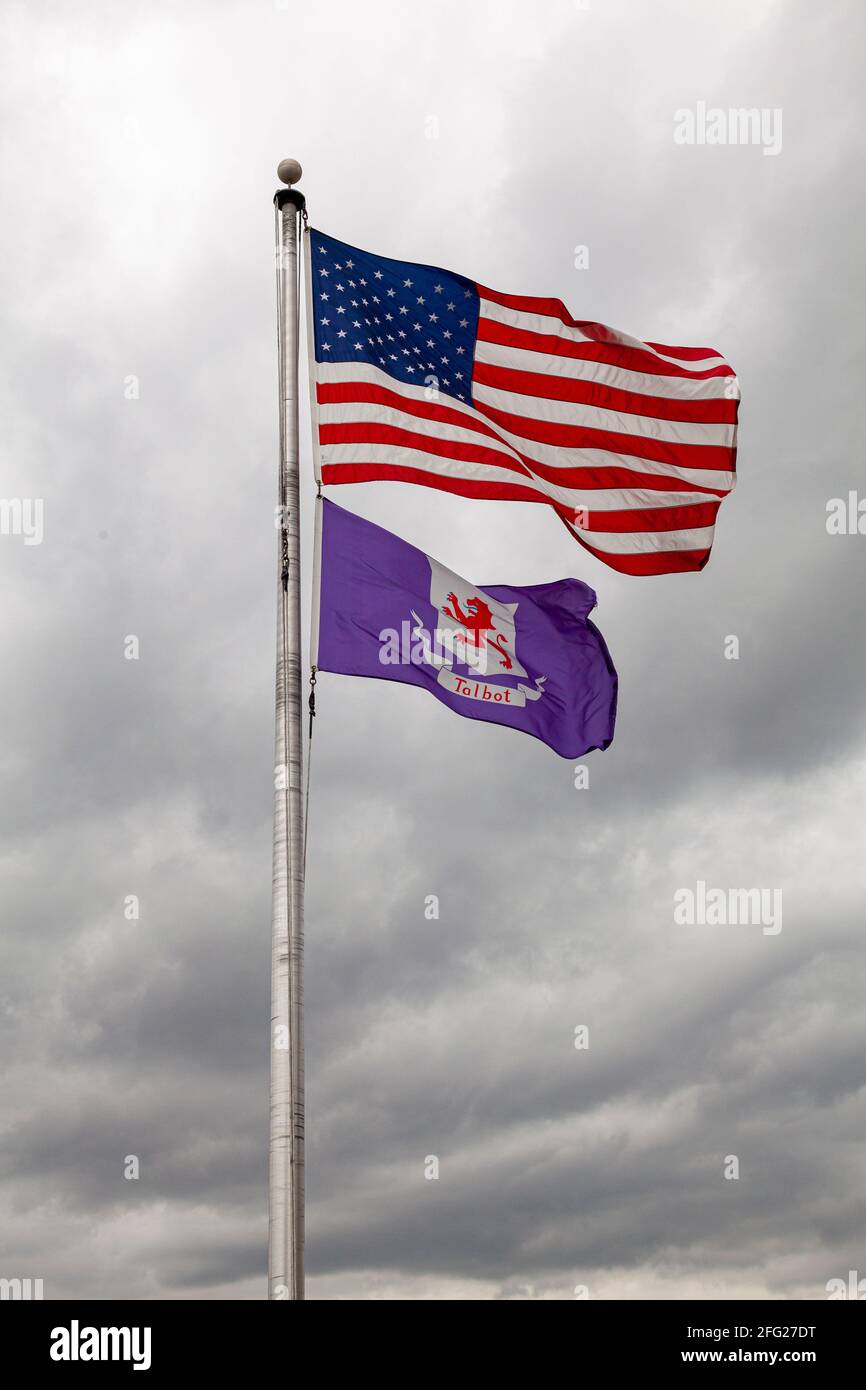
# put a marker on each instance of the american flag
(423, 376)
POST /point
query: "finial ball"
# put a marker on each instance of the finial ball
(289, 171)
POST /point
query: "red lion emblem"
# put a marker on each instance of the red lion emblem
(478, 622)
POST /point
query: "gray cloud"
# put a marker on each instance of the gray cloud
(138, 151)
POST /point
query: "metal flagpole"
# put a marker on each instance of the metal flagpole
(286, 1152)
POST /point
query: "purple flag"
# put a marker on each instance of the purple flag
(527, 657)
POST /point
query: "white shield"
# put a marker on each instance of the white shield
(479, 629)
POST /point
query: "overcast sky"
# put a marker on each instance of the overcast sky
(139, 145)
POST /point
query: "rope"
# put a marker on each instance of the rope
(312, 699)
(312, 705)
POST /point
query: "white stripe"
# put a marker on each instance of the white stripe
(678, 388)
(554, 455)
(595, 417)
(588, 498)
(331, 372)
(544, 323)
(551, 455)
(618, 543)
(404, 457)
(377, 454)
(369, 412)
(645, 542)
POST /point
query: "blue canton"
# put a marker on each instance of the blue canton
(412, 321)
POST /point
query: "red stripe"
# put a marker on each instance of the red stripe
(687, 517)
(349, 392)
(599, 332)
(647, 562)
(584, 479)
(632, 359)
(464, 487)
(714, 456)
(653, 562)
(588, 480)
(550, 308)
(595, 476)
(579, 479)
(558, 388)
(365, 432)
(688, 354)
(634, 519)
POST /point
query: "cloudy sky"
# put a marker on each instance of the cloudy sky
(139, 144)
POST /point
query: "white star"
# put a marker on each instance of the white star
(460, 350)
(340, 309)
(339, 287)
(359, 347)
(408, 284)
(378, 274)
(403, 309)
(326, 322)
(341, 333)
(323, 271)
(446, 334)
(326, 347)
(450, 306)
(438, 289)
(464, 323)
(434, 318)
(391, 294)
(420, 299)
(350, 265)
(417, 327)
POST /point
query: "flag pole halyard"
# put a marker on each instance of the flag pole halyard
(286, 1149)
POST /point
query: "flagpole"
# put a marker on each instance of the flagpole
(286, 1149)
